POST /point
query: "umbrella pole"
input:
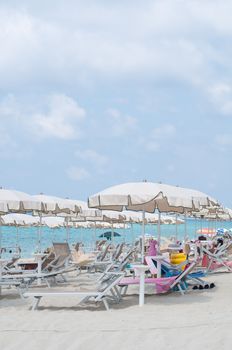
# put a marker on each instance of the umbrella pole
(124, 232)
(143, 238)
(67, 230)
(202, 216)
(112, 233)
(185, 227)
(132, 234)
(17, 236)
(40, 232)
(195, 231)
(159, 231)
(82, 236)
(0, 240)
(176, 228)
(95, 236)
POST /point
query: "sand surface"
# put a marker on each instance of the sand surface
(198, 320)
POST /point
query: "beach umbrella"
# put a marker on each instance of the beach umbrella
(109, 234)
(222, 231)
(85, 211)
(105, 216)
(53, 221)
(12, 201)
(206, 231)
(147, 197)
(56, 205)
(18, 219)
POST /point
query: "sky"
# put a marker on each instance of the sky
(96, 93)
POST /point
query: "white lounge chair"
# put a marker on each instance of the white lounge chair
(101, 294)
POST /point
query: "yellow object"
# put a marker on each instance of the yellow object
(178, 255)
(178, 258)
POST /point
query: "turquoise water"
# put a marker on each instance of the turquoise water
(28, 237)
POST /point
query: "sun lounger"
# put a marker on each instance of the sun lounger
(169, 270)
(163, 284)
(217, 259)
(102, 294)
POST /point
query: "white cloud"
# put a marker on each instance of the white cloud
(11, 147)
(77, 173)
(221, 95)
(7, 145)
(170, 168)
(121, 123)
(169, 40)
(92, 156)
(166, 130)
(7, 106)
(159, 137)
(61, 119)
(224, 141)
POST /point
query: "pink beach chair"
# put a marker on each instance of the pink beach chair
(163, 284)
(213, 261)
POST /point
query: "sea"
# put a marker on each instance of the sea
(31, 239)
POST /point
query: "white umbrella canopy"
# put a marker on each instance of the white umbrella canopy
(108, 216)
(17, 219)
(112, 216)
(53, 222)
(85, 211)
(148, 196)
(228, 213)
(151, 218)
(214, 213)
(16, 201)
(56, 205)
(99, 224)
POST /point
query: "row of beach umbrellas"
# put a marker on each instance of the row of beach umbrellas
(144, 197)
(18, 219)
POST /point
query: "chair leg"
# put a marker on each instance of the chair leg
(125, 290)
(115, 297)
(180, 289)
(118, 293)
(84, 300)
(224, 264)
(122, 291)
(106, 304)
(64, 278)
(47, 282)
(36, 303)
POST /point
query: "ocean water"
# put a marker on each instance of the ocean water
(28, 238)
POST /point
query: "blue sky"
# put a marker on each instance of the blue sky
(97, 93)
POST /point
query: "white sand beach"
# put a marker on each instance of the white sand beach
(200, 319)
